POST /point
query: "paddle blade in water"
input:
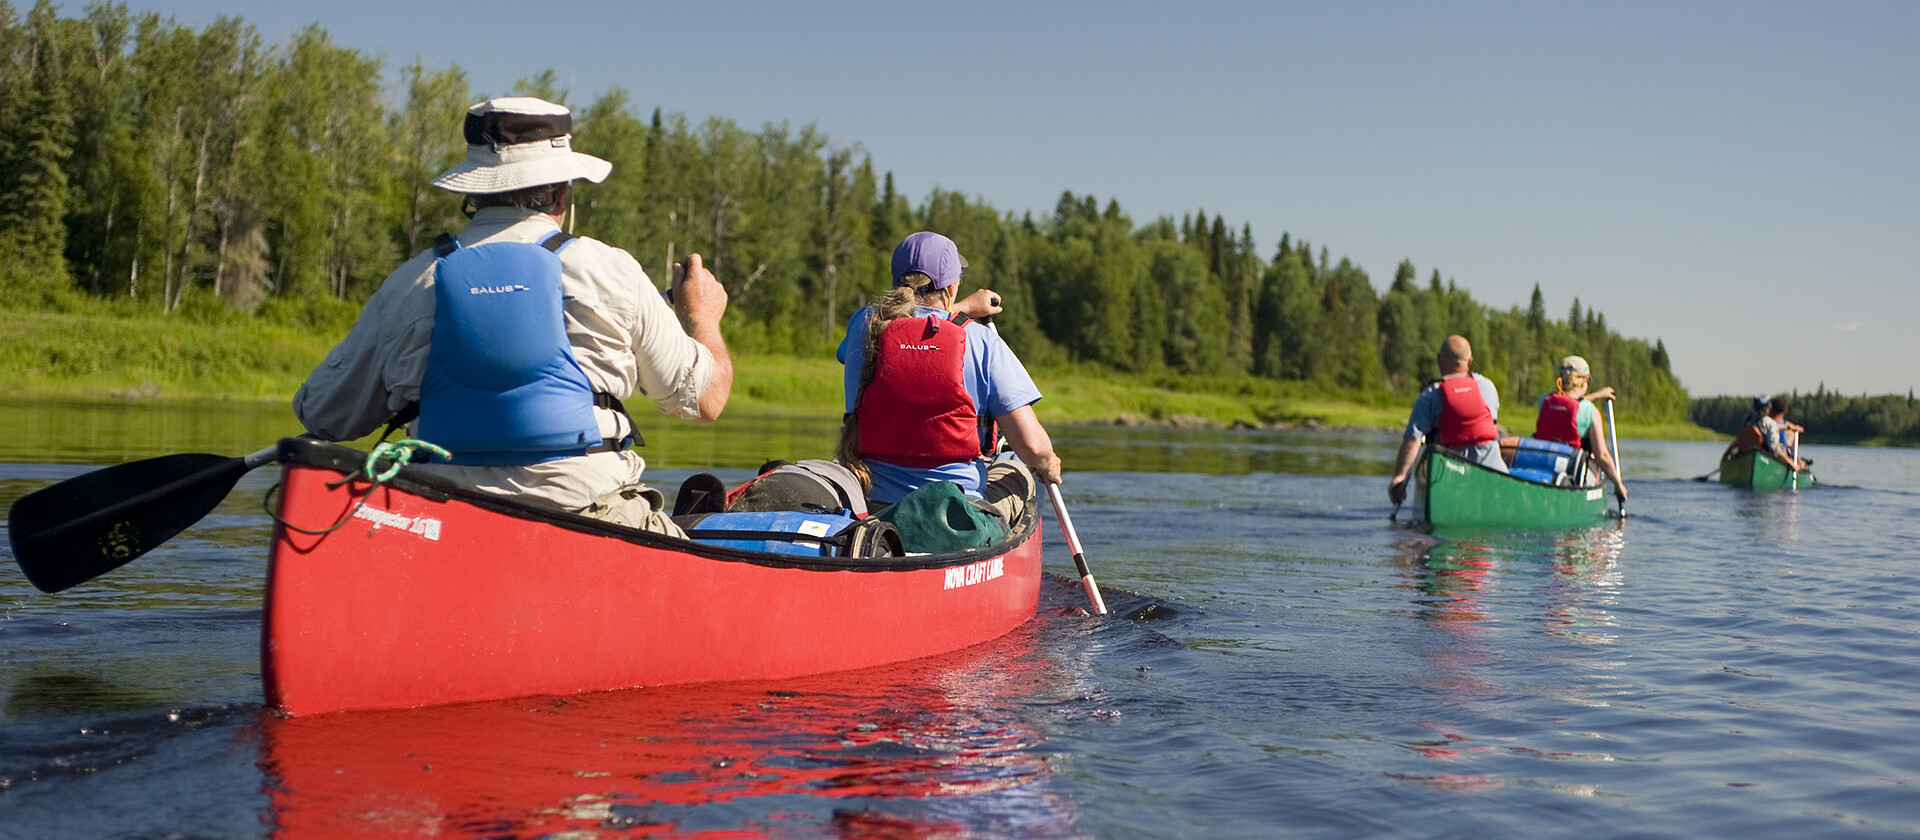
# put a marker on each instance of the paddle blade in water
(91, 524)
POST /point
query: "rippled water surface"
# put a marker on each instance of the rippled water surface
(1283, 661)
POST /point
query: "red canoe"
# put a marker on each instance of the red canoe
(431, 594)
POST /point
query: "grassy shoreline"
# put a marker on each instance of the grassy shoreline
(71, 356)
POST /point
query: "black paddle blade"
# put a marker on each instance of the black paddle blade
(91, 524)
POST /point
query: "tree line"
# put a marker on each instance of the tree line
(1828, 415)
(146, 166)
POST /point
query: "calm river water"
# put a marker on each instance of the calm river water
(1283, 661)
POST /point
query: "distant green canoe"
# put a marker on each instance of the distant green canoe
(1762, 473)
(1452, 491)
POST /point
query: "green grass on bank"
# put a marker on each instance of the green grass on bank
(93, 356)
(74, 355)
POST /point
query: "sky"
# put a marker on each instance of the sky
(1740, 180)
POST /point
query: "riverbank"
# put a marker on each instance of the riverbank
(70, 356)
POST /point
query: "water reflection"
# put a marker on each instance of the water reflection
(1457, 572)
(1225, 451)
(113, 431)
(1474, 591)
(932, 748)
(1776, 515)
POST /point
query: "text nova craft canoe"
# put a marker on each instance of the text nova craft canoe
(427, 594)
(1763, 472)
(1452, 491)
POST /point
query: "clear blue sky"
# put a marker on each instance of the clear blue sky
(1740, 179)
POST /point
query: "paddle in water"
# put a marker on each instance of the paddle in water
(89, 525)
(1614, 431)
(1073, 545)
(1066, 522)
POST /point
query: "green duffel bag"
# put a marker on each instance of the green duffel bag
(938, 518)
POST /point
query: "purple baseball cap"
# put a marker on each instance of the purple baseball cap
(931, 254)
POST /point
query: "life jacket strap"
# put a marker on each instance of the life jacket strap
(602, 399)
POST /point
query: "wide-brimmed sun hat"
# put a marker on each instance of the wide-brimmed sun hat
(515, 142)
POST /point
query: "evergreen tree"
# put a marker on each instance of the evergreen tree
(1537, 314)
(892, 220)
(1403, 275)
(33, 196)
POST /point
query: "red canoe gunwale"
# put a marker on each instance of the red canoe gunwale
(432, 593)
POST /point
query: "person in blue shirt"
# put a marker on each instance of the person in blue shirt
(1460, 412)
(929, 389)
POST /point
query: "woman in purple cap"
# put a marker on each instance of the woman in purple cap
(926, 386)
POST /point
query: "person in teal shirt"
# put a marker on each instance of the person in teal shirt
(1583, 428)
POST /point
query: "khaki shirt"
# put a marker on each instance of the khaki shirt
(625, 336)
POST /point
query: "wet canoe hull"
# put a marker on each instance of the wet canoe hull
(428, 596)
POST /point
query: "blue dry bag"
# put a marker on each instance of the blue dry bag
(798, 532)
(1541, 461)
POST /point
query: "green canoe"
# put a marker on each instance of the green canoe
(1762, 472)
(1451, 491)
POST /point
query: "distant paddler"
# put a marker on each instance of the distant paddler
(1771, 432)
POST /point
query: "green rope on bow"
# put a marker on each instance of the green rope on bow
(397, 454)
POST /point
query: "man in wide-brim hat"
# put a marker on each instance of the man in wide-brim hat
(518, 343)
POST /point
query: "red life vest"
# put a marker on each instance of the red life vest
(1559, 420)
(1465, 418)
(916, 412)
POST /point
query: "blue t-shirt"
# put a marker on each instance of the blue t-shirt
(994, 379)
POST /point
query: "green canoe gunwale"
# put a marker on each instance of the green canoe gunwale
(1466, 493)
(1761, 473)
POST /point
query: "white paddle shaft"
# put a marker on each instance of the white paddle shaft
(1073, 545)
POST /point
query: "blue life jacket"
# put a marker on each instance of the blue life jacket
(502, 386)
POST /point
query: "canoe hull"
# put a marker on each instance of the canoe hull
(1762, 473)
(1451, 491)
(428, 597)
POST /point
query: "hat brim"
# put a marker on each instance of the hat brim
(477, 178)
